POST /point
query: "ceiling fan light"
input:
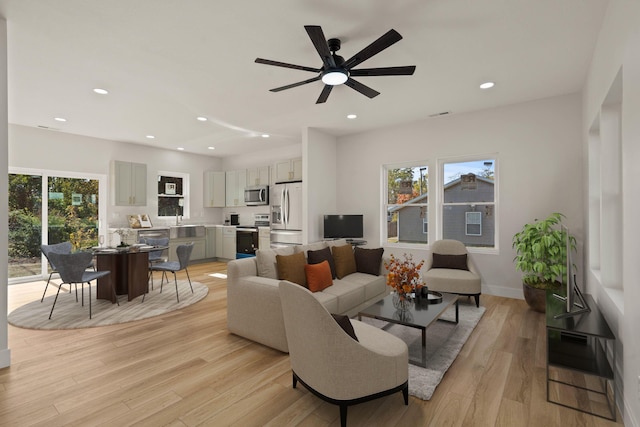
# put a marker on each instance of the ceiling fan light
(334, 77)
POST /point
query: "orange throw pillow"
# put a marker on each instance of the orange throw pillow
(318, 276)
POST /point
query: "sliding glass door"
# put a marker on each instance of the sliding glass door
(50, 208)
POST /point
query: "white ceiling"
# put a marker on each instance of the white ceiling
(165, 62)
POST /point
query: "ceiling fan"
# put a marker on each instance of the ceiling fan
(336, 71)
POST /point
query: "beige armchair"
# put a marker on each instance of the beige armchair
(453, 274)
(333, 365)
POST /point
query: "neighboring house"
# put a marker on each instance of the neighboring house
(472, 223)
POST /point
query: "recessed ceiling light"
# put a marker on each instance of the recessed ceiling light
(181, 148)
(351, 116)
(59, 119)
(101, 91)
(265, 135)
(202, 118)
(150, 136)
(211, 148)
(487, 85)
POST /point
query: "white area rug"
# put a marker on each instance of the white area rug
(444, 342)
(69, 314)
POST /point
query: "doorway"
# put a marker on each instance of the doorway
(48, 208)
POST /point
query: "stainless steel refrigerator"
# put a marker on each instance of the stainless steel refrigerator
(286, 214)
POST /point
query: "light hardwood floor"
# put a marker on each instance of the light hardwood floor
(185, 369)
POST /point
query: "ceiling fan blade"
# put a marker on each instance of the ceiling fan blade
(324, 94)
(320, 42)
(384, 71)
(292, 85)
(386, 40)
(285, 65)
(363, 89)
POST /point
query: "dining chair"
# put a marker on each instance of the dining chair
(184, 254)
(60, 248)
(73, 270)
(155, 256)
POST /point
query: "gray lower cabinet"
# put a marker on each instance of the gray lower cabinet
(199, 248)
(210, 250)
(229, 242)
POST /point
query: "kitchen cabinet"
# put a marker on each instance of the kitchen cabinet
(198, 252)
(228, 242)
(264, 237)
(214, 189)
(129, 183)
(258, 176)
(219, 241)
(235, 183)
(210, 250)
(288, 170)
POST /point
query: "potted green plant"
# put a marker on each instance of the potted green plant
(541, 254)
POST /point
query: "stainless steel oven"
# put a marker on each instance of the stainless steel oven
(246, 240)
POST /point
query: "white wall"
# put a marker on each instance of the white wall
(50, 150)
(319, 182)
(619, 48)
(538, 148)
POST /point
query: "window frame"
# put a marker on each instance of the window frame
(184, 196)
(384, 239)
(440, 204)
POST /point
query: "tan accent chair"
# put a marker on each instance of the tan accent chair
(334, 366)
(455, 281)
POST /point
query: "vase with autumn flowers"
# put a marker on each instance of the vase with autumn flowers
(404, 277)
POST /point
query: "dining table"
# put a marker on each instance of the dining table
(129, 267)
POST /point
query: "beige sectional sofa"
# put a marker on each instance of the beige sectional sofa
(254, 310)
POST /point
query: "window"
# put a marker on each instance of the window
(173, 194)
(407, 205)
(469, 201)
(473, 223)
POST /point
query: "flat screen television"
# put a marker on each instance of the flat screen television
(343, 227)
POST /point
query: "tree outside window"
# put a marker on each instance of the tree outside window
(469, 200)
(407, 205)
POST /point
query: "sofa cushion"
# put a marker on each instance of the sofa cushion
(330, 302)
(266, 261)
(344, 259)
(316, 257)
(349, 296)
(456, 262)
(344, 322)
(373, 285)
(291, 268)
(368, 260)
(318, 276)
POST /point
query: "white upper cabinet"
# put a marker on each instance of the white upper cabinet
(129, 183)
(235, 183)
(258, 176)
(214, 189)
(288, 170)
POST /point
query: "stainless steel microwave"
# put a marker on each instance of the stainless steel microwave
(256, 195)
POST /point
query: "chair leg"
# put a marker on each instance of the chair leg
(54, 303)
(405, 394)
(295, 380)
(189, 278)
(89, 283)
(343, 415)
(477, 298)
(175, 279)
(46, 286)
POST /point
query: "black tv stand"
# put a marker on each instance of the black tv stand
(580, 349)
(356, 242)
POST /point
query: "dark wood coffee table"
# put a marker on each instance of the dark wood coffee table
(420, 316)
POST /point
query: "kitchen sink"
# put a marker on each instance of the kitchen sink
(185, 231)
